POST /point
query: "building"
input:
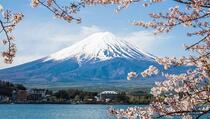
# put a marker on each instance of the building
(107, 96)
(36, 94)
(14, 95)
(21, 96)
(4, 99)
(1, 98)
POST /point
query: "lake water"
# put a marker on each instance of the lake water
(53, 111)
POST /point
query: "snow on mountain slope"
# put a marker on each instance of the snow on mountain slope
(100, 47)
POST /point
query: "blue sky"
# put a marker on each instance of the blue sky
(40, 34)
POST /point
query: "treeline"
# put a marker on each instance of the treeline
(74, 95)
(140, 97)
(77, 96)
(6, 88)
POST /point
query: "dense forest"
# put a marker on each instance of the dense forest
(6, 88)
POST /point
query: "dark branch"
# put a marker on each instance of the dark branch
(197, 42)
(207, 5)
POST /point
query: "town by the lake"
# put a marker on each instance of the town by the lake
(17, 93)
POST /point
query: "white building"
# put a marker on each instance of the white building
(107, 95)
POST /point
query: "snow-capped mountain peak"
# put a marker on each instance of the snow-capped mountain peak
(99, 47)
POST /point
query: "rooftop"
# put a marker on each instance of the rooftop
(108, 92)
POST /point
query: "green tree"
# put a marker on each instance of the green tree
(62, 94)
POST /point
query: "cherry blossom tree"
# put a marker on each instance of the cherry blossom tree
(185, 95)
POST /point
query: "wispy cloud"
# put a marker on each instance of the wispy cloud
(44, 39)
(19, 60)
(145, 40)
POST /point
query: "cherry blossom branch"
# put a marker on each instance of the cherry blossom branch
(8, 21)
(197, 42)
(8, 39)
(59, 12)
(189, 2)
(203, 112)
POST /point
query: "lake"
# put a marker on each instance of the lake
(59, 111)
(54, 111)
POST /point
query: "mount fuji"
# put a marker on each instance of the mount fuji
(101, 57)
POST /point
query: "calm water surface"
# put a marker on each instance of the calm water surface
(48, 111)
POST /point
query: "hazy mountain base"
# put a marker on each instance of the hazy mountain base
(98, 86)
(69, 70)
(64, 73)
(50, 75)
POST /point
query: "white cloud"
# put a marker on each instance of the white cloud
(145, 40)
(85, 30)
(43, 39)
(19, 60)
